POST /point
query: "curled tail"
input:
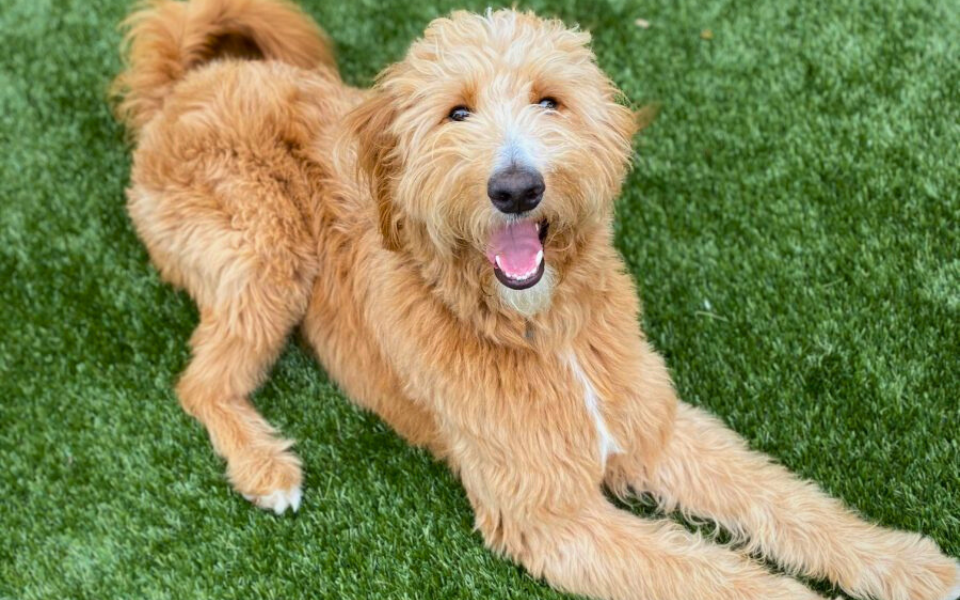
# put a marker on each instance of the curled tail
(165, 39)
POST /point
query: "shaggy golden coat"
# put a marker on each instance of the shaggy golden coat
(279, 197)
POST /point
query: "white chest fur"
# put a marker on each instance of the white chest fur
(607, 443)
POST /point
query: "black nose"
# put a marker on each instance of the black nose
(516, 189)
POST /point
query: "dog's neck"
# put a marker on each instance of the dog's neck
(462, 283)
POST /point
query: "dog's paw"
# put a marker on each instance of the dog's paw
(278, 501)
(268, 475)
(912, 568)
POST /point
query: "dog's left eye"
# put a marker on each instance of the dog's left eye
(459, 113)
(548, 103)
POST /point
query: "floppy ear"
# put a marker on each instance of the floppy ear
(376, 157)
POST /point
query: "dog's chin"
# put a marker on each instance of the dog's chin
(532, 300)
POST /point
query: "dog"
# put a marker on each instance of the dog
(444, 243)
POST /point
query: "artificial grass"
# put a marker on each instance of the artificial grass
(793, 221)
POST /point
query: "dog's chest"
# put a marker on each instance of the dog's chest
(594, 404)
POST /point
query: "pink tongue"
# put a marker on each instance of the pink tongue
(517, 245)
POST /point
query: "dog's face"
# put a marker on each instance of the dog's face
(500, 138)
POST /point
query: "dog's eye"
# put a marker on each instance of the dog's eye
(459, 113)
(549, 103)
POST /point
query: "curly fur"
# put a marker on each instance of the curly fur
(279, 197)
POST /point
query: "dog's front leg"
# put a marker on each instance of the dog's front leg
(518, 428)
(578, 542)
(525, 448)
(708, 471)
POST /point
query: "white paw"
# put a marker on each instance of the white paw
(954, 593)
(279, 500)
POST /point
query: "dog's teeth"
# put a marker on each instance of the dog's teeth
(521, 276)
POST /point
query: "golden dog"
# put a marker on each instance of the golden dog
(444, 242)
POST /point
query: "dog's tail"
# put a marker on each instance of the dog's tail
(165, 39)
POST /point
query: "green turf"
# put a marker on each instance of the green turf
(793, 221)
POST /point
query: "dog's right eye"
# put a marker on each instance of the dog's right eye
(459, 113)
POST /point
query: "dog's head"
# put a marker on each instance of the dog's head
(492, 149)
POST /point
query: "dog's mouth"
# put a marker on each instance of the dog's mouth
(516, 252)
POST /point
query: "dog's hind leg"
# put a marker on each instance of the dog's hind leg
(247, 259)
(226, 367)
(708, 471)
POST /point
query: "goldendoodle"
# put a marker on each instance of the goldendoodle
(444, 241)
